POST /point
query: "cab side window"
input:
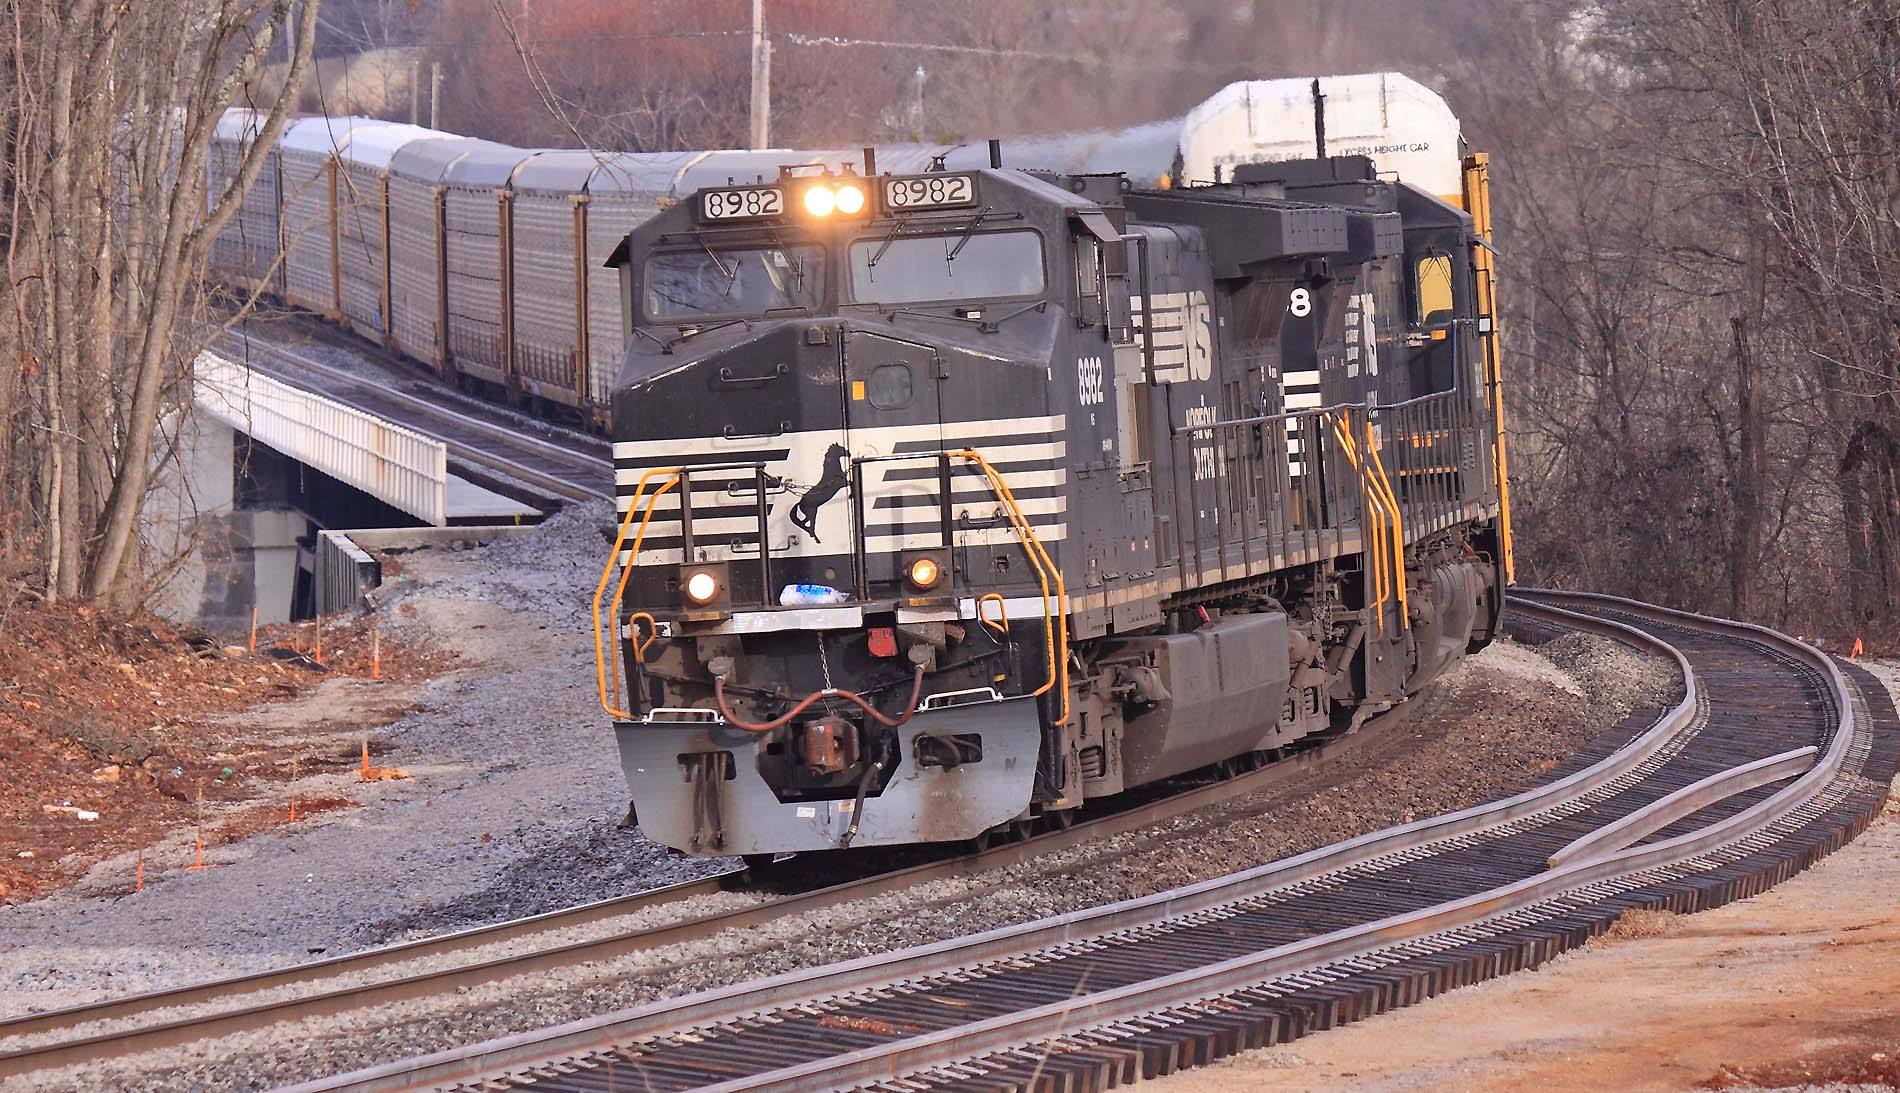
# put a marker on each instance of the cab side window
(1089, 310)
(1432, 290)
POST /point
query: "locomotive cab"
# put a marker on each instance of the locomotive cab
(837, 397)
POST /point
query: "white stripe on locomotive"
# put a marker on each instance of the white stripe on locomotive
(1299, 390)
(1033, 470)
(1177, 326)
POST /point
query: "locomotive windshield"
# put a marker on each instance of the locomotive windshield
(918, 269)
(751, 281)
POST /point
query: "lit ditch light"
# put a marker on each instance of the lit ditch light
(925, 573)
(703, 586)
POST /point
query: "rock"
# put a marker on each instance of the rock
(111, 773)
(69, 810)
(26, 854)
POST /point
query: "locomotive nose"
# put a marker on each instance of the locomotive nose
(738, 391)
(753, 421)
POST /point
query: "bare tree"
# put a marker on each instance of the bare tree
(1792, 108)
(109, 114)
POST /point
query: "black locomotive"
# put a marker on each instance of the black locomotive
(953, 500)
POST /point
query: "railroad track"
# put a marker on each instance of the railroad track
(1770, 760)
(483, 439)
(1095, 968)
(163, 1019)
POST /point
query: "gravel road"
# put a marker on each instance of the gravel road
(511, 811)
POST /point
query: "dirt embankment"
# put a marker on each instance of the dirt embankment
(116, 732)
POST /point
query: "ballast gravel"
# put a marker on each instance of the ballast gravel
(512, 808)
(1507, 717)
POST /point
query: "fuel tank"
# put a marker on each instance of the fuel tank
(1221, 691)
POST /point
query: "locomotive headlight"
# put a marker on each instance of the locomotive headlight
(819, 201)
(702, 587)
(850, 200)
(925, 573)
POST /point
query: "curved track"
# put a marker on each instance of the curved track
(1770, 761)
(167, 1018)
(1716, 799)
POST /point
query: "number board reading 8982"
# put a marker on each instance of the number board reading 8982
(929, 192)
(743, 204)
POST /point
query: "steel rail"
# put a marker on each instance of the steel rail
(250, 341)
(310, 971)
(436, 413)
(174, 1032)
(738, 1001)
(1839, 692)
(1686, 802)
(1199, 985)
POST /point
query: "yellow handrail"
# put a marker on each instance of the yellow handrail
(1477, 189)
(604, 679)
(1373, 525)
(1391, 502)
(653, 633)
(1056, 628)
(1001, 626)
(1055, 616)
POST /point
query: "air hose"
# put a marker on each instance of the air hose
(910, 708)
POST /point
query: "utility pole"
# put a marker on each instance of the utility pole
(435, 94)
(415, 91)
(761, 79)
(917, 105)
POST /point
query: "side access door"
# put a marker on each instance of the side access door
(893, 421)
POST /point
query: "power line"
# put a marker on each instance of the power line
(668, 36)
(937, 47)
(1145, 64)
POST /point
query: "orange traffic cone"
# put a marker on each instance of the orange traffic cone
(199, 861)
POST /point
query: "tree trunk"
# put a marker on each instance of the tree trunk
(1749, 471)
(181, 258)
